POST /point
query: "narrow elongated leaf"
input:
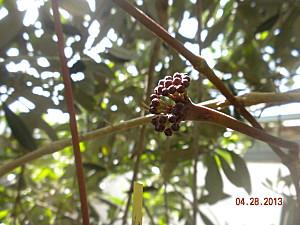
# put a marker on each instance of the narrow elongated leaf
(94, 166)
(205, 219)
(213, 179)
(241, 171)
(213, 198)
(122, 54)
(267, 24)
(19, 129)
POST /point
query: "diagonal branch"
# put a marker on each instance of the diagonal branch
(59, 145)
(201, 113)
(255, 98)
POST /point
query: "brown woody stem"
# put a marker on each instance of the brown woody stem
(202, 113)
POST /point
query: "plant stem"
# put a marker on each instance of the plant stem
(255, 98)
(59, 145)
(202, 113)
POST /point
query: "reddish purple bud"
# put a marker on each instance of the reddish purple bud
(153, 96)
(168, 83)
(168, 132)
(177, 81)
(175, 127)
(155, 102)
(165, 92)
(159, 127)
(159, 89)
(177, 75)
(152, 110)
(162, 119)
(180, 89)
(172, 119)
(172, 89)
(154, 121)
(185, 83)
(186, 77)
(161, 82)
(168, 78)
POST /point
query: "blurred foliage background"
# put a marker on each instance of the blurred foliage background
(252, 45)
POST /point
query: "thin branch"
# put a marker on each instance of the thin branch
(71, 110)
(202, 113)
(166, 203)
(149, 215)
(194, 189)
(255, 98)
(18, 199)
(59, 145)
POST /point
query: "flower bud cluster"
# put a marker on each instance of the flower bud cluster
(169, 116)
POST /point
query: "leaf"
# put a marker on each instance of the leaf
(241, 171)
(122, 54)
(86, 101)
(103, 70)
(267, 24)
(45, 45)
(68, 29)
(35, 120)
(213, 198)
(205, 219)
(11, 25)
(19, 129)
(94, 166)
(213, 179)
(76, 7)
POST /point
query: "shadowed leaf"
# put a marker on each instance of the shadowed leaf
(19, 129)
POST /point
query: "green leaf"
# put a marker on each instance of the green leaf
(267, 24)
(76, 7)
(11, 25)
(122, 54)
(240, 175)
(205, 219)
(94, 166)
(213, 198)
(19, 130)
(213, 179)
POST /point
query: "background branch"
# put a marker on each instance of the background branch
(161, 7)
(255, 98)
(59, 145)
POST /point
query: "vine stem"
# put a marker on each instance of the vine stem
(71, 110)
